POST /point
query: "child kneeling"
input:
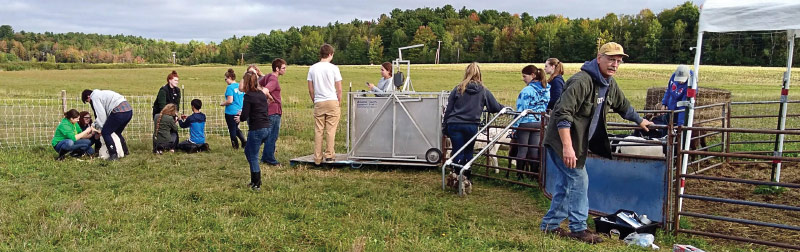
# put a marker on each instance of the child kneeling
(197, 128)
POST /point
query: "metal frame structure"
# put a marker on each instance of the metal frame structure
(397, 101)
(465, 167)
(725, 16)
(407, 86)
(680, 184)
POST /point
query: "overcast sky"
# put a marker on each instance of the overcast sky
(205, 20)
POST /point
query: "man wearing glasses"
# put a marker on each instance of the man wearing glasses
(577, 125)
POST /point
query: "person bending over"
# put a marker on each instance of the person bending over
(112, 114)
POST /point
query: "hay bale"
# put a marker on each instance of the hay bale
(705, 96)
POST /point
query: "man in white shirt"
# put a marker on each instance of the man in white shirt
(325, 90)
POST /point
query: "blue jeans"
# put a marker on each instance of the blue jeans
(233, 130)
(570, 198)
(268, 156)
(256, 138)
(459, 134)
(80, 146)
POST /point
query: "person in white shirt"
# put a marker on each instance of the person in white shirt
(325, 90)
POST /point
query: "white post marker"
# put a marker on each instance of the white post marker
(787, 77)
(687, 136)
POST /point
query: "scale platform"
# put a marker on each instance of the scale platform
(342, 160)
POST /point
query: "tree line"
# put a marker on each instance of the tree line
(463, 35)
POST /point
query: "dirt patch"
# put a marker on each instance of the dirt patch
(790, 173)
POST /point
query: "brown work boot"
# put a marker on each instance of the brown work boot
(557, 231)
(586, 236)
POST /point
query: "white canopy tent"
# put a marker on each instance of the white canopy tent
(746, 15)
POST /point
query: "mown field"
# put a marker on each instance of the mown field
(200, 202)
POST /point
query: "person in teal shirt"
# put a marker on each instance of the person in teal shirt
(233, 106)
(67, 140)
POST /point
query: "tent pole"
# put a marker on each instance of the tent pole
(687, 136)
(787, 76)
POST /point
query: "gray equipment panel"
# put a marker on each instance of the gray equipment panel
(401, 126)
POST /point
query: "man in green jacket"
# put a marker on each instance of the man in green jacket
(577, 125)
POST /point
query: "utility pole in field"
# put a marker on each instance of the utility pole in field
(438, 49)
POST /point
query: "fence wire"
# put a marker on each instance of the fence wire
(32, 122)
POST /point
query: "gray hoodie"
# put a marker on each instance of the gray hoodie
(103, 101)
(467, 107)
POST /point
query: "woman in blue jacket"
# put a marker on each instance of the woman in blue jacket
(534, 96)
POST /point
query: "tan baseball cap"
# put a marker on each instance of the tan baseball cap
(612, 48)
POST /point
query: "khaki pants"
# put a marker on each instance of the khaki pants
(326, 120)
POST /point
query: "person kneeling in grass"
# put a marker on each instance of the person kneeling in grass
(197, 129)
(66, 139)
(165, 135)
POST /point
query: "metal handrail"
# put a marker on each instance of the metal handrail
(465, 167)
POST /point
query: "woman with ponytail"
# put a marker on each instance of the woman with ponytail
(534, 96)
(233, 106)
(255, 112)
(463, 113)
(555, 70)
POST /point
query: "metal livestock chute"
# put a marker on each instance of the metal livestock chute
(403, 126)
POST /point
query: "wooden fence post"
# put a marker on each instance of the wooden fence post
(63, 101)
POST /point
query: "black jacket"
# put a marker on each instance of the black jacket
(167, 95)
(254, 110)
